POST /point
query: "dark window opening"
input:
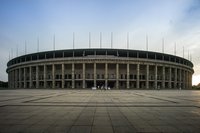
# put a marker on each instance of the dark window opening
(151, 56)
(49, 55)
(58, 54)
(142, 55)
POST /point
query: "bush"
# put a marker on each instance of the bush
(196, 87)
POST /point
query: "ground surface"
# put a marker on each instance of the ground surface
(95, 111)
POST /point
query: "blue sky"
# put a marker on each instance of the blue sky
(177, 21)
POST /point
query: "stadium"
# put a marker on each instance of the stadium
(87, 68)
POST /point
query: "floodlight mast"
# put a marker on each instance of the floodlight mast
(147, 43)
(25, 47)
(38, 44)
(17, 51)
(111, 40)
(163, 45)
(89, 39)
(175, 48)
(127, 41)
(54, 42)
(100, 40)
(73, 40)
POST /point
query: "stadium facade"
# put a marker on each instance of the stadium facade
(86, 68)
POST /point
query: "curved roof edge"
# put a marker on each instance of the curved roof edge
(106, 51)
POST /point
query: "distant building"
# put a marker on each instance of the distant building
(86, 68)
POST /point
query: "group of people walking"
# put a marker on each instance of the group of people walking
(103, 87)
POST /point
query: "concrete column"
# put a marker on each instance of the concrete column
(73, 80)
(147, 76)
(106, 74)
(17, 78)
(128, 73)
(170, 77)
(30, 77)
(95, 75)
(180, 78)
(53, 75)
(186, 86)
(20, 78)
(187, 79)
(190, 80)
(183, 79)
(183, 71)
(37, 76)
(175, 78)
(13, 78)
(163, 77)
(138, 76)
(63, 76)
(156, 76)
(10, 79)
(117, 76)
(84, 75)
(24, 77)
(45, 76)
(16, 75)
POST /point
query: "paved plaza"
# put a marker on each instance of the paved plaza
(96, 111)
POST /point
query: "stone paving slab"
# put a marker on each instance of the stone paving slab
(96, 111)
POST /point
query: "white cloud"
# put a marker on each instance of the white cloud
(195, 79)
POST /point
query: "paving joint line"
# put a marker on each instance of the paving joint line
(75, 105)
(16, 98)
(156, 98)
